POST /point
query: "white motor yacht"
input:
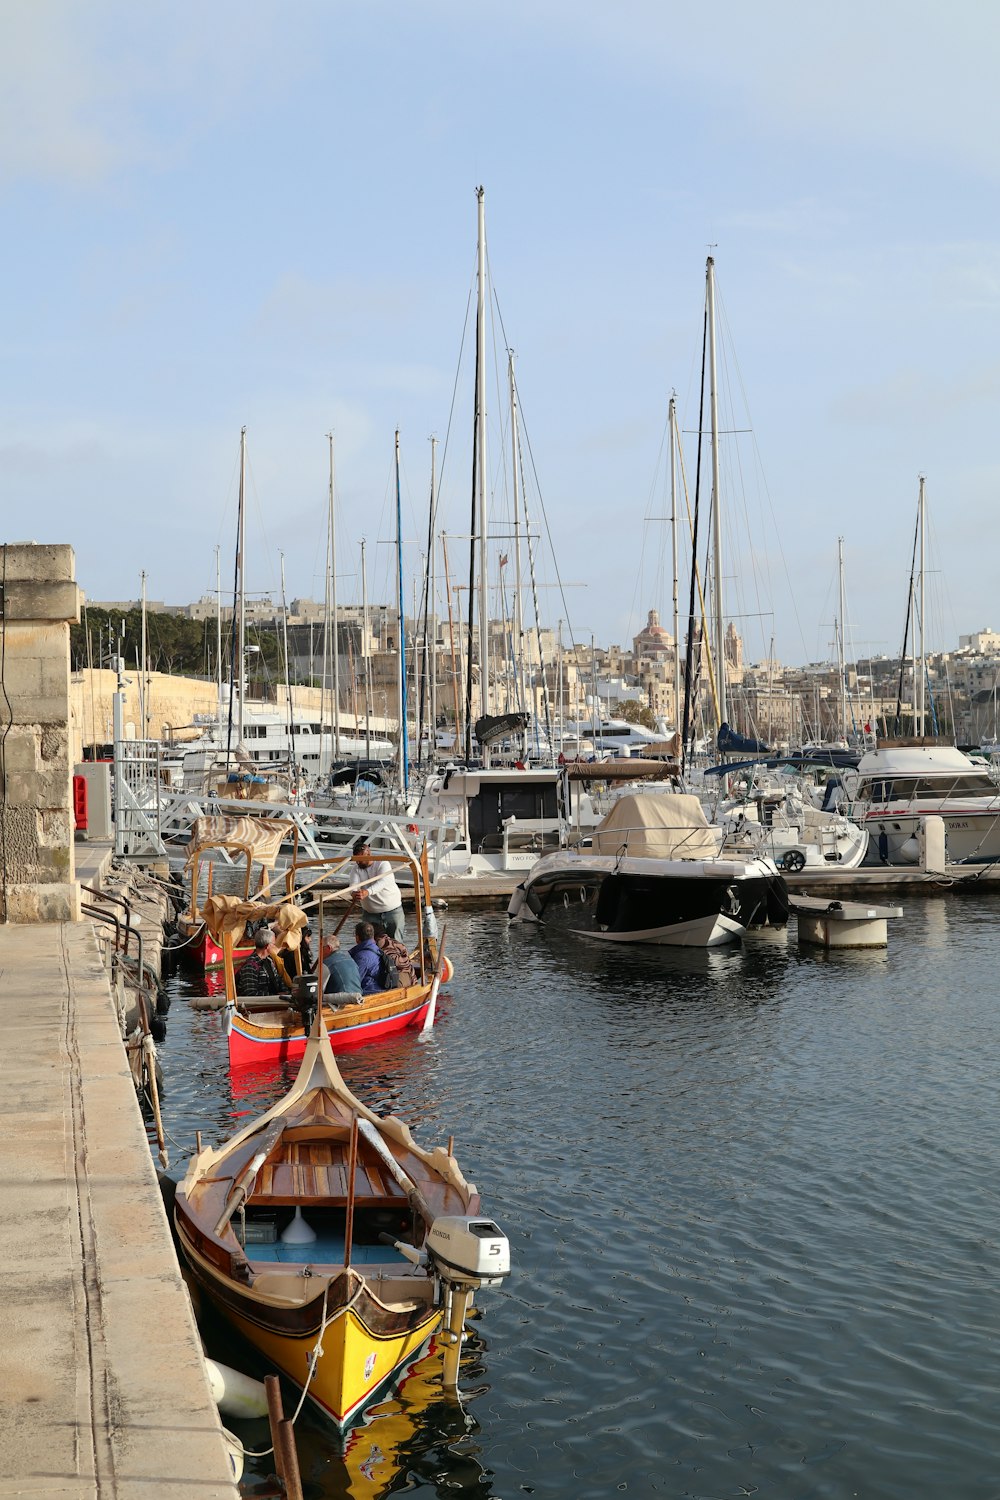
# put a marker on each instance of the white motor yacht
(904, 781)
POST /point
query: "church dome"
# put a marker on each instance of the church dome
(653, 640)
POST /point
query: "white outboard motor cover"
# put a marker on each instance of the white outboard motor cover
(467, 1249)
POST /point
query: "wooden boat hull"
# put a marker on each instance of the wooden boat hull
(359, 1358)
(277, 1036)
(204, 953)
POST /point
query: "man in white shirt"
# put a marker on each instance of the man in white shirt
(373, 884)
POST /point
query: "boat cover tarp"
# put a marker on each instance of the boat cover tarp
(670, 826)
(731, 743)
(493, 727)
(230, 914)
(631, 769)
(261, 837)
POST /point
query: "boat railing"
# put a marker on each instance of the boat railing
(323, 833)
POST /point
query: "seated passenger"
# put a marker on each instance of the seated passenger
(368, 958)
(397, 965)
(259, 974)
(342, 976)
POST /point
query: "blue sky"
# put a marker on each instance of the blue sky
(265, 214)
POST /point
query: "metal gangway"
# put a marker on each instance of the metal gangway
(154, 821)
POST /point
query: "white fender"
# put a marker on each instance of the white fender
(236, 1394)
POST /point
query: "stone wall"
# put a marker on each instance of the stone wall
(39, 601)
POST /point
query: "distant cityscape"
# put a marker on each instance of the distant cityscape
(551, 677)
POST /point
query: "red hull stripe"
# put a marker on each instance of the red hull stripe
(250, 1049)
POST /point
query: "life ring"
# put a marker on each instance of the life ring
(793, 860)
(447, 970)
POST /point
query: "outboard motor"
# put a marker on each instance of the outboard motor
(468, 1252)
(464, 1254)
(304, 997)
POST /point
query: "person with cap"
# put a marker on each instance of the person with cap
(373, 884)
(259, 974)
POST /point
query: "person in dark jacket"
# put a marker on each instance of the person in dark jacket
(258, 974)
(342, 976)
(368, 958)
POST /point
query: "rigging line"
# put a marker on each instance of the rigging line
(548, 530)
(790, 590)
(484, 686)
(906, 627)
(526, 442)
(634, 616)
(259, 512)
(696, 575)
(689, 654)
(750, 530)
(546, 702)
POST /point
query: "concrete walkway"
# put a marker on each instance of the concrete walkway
(104, 1386)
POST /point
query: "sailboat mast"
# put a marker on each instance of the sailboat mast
(484, 619)
(520, 696)
(143, 683)
(455, 666)
(288, 676)
(841, 647)
(218, 634)
(720, 637)
(241, 588)
(672, 423)
(923, 653)
(365, 654)
(430, 647)
(335, 645)
(404, 758)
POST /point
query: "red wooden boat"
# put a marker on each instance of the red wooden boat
(276, 1028)
(255, 840)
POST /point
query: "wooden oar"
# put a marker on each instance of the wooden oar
(436, 985)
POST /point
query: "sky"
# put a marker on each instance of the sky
(264, 215)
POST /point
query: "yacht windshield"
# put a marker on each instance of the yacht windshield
(907, 788)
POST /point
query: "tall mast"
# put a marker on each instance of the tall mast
(335, 644)
(455, 666)
(923, 655)
(241, 588)
(841, 644)
(288, 675)
(429, 619)
(484, 612)
(404, 759)
(673, 541)
(143, 683)
(720, 637)
(520, 696)
(365, 654)
(218, 634)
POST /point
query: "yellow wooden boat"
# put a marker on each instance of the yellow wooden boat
(334, 1243)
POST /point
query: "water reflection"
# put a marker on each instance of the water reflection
(745, 1197)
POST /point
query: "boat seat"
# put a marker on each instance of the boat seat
(316, 1172)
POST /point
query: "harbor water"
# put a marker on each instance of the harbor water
(750, 1201)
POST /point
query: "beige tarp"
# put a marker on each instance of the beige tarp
(230, 914)
(261, 836)
(671, 826)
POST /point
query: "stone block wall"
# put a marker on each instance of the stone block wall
(39, 601)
